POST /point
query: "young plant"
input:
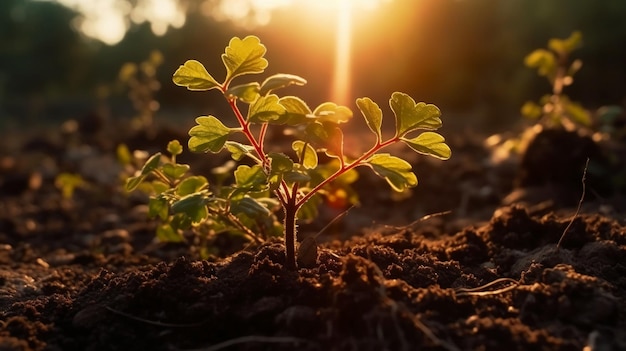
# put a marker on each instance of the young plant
(295, 177)
(557, 109)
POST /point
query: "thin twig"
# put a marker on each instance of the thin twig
(147, 321)
(580, 202)
(422, 219)
(250, 339)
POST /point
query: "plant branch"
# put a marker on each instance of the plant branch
(346, 167)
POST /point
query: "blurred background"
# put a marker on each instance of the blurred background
(65, 59)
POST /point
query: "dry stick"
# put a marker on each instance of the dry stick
(147, 321)
(250, 339)
(580, 202)
(422, 219)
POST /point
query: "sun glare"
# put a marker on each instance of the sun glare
(338, 14)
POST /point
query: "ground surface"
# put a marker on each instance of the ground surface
(86, 274)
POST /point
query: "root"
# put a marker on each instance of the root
(478, 290)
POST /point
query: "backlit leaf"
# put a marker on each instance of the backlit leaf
(331, 112)
(327, 136)
(430, 143)
(250, 206)
(175, 171)
(247, 93)
(566, 46)
(192, 206)
(411, 116)
(373, 115)
(306, 154)
(543, 60)
(250, 178)
(265, 109)
(194, 76)
(174, 148)
(238, 150)
(396, 171)
(278, 81)
(209, 135)
(244, 56)
(151, 164)
(191, 185)
(296, 110)
(157, 206)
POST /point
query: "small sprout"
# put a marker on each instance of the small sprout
(68, 182)
(553, 63)
(295, 179)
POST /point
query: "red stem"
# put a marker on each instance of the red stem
(344, 168)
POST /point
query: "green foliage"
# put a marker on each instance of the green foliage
(553, 63)
(297, 180)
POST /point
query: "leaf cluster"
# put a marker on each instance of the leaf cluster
(185, 202)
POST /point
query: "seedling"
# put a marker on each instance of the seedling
(295, 177)
(557, 109)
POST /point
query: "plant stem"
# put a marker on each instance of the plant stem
(290, 233)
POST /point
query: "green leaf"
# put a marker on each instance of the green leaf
(174, 148)
(250, 178)
(249, 206)
(531, 110)
(566, 46)
(278, 81)
(239, 150)
(296, 110)
(280, 163)
(194, 76)
(175, 171)
(331, 112)
(244, 57)
(158, 206)
(327, 136)
(180, 221)
(151, 164)
(373, 115)
(247, 93)
(166, 234)
(209, 135)
(306, 154)
(191, 185)
(192, 206)
(296, 177)
(411, 116)
(543, 60)
(133, 182)
(430, 143)
(265, 109)
(396, 171)
(159, 187)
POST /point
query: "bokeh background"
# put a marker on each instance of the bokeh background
(61, 59)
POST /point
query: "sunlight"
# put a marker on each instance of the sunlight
(339, 14)
(108, 20)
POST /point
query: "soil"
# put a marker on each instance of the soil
(86, 273)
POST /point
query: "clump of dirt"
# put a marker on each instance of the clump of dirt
(86, 274)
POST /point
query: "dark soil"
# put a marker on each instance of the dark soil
(87, 274)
